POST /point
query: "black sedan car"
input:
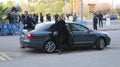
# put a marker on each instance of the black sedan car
(42, 37)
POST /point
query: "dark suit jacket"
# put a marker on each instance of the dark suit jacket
(95, 20)
(28, 23)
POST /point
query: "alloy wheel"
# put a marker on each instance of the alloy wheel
(100, 44)
(50, 46)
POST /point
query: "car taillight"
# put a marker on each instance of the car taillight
(30, 36)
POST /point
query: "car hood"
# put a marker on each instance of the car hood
(99, 32)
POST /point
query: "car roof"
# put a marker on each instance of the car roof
(45, 25)
(66, 22)
(51, 23)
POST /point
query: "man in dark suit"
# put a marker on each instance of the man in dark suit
(56, 17)
(100, 16)
(27, 21)
(95, 21)
(41, 18)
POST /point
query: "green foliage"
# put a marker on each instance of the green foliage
(51, 6)
(19, 9)
(2, 10)
(33, 1)
(9, 3)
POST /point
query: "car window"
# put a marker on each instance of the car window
(43, 27)
(77, 27)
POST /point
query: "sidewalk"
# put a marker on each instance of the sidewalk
(114, 25)
(106, 27)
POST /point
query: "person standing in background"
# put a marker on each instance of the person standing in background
(27, 21)
(100, 16)
(95, 21)
(74, 17)
(35, 18)
(48, 17)
(56, 17)
(41, 18)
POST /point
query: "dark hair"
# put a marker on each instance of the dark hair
(14, 9)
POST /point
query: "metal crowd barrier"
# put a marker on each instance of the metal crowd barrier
(11, 29)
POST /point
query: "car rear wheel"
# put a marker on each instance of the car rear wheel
(100, 44)
(50, 46)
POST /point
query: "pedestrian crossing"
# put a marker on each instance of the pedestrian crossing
(4, 57)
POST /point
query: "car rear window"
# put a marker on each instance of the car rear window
(43, 26)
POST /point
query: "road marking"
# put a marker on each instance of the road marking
(4, 57)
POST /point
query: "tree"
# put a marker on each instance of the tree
(118, 10)
(9, 3)
(19, 9)
(106, 8)
(2, 10)
(51, 6)
(25, 7)
(32, 1)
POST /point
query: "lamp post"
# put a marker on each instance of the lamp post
(99, 6)
(112, 5)
(65, 9)
(73, 7)
(81, 9)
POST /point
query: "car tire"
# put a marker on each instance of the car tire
(50, 46)
(100, 44)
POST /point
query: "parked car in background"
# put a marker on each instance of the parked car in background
(112, 17)
(42, 37)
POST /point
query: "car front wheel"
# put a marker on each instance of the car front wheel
(100, 44)
(50, 46)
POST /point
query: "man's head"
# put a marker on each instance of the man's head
(14, 9)
(26, 12)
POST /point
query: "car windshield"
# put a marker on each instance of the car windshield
(43, 26)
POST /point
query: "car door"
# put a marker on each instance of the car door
(81, 35)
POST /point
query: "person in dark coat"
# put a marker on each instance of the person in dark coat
(61, 30)
(56, 17)
(27, 21)
(100, 19)
(95, 21)
(41, 18)
(74, 17)
(48, 17)
(35, 18)
(10, 18)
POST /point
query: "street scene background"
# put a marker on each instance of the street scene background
(11, 55)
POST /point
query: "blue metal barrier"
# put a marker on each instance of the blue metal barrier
(0, 29)
(5, 29)
(11, 28)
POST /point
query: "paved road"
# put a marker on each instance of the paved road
(77, 58)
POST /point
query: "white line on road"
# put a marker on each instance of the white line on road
(4, 57)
